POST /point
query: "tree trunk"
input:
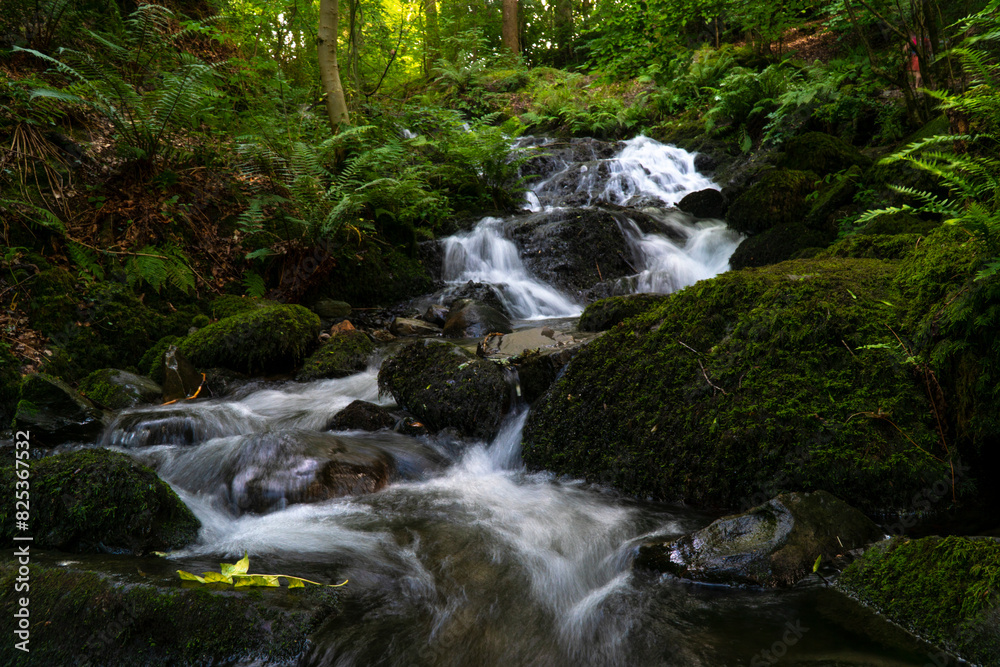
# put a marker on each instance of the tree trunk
(564, 31)
(509, 37)
(432, 38)
(329, 70)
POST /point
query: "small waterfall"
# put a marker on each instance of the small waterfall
(647, 168)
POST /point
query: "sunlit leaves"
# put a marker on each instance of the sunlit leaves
(237, 574)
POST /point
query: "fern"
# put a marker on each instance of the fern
(254, 284)
(86, 260)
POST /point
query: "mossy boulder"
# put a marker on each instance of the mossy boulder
(361, 416)
(55, 413)
(151, 362)
(874, 246)
(755, 382)
(345, 353)
(708, 203)
(778, 244)
(606, 313)
(833, 201)
(261, 341)
(98, 500)
(772, 545)
(330, 309)
(946, 590)
(96, 620)
(228, 305)
(373, 276)
(778, 198)
(822, 154)
(116, 389)
(445, 385)
(900, 222)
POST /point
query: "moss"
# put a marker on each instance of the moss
(871, 246)
(55, 412)
(899, 223)
(99, 500)
(832, 200)
(755, 382)
(777, 244)
(606, 313)
(228, 305)
(779, 197)
(115, 389)
(821, 153)
(93, 620)
(151, 362)
(267, 340)
(446, 386)
(346, 352)
(945, 590)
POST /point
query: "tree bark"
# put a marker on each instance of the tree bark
(432, 37)
(509, 36)
(564, 31)
(329, 69)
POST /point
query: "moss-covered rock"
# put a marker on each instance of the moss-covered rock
(821, 153)
(267, 340)
(54, 412)
(606, 313)
(151, 362)
(228, 305)
(755, 382)
(373, 276)
(900, 222)
(774, 544)
(778, 244)
(93, 620)
(345, 353)
(99, 500)
(945, 590)
(116, 389)
(874, 246)
(445, 385)
(779, 197)
(833, 200)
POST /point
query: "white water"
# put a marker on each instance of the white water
(644, 168)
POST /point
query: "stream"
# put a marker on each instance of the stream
(466, 558)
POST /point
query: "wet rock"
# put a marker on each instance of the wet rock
(554, 156)
(93, 619)
(822, 154)
(342, 326)
(264, 341)
(180, 379)
(408, 327)
(779, 197)
(473, 291)
(471, 319)
(173, 425)
(55, 413)
(899, 223)
(361, 416)
(777, 245)
(606, 313)
(345, 353)
(328, 309)
(941, 589)
(444, 385)
(221, 382)
(773, 545)
(117, 389)
(436, 314)
(98, 500)
(708, 203)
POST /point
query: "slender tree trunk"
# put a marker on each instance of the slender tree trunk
(510, 35)
(564, 31)
(432, 38)
(329, 70)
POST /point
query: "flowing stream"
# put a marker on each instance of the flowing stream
(465, 558)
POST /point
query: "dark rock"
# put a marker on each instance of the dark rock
(471, 319)
(822, 154)
(825, 212)
(117, 389)
(444, 385)
(361, 416)
(180, 379)
(436, 314)
(10, 386)
(221, 382)
(98, 500)
(707, 203)
(345, 353)
(137, 429)
(706, 163)
(773, 545)
(606, 313)
(554, 156)
(941, 589)
(777, 245)
(269, 341)
(328, 309)
(55, 413)
(779, 197)
(484, 293)
(407, 327)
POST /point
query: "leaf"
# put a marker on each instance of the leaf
(819, 559)
(269, 580)
(216, 577)
(187, 576)
(294, 582)
(237, 568)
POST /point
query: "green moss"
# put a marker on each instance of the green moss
(97, 388)
(96, 499)
(228, 305)
(755, 382)
(267, 340)
(872, 246)
(779, 197)
(821, 153)
(345, 353)
(899, 223)
(945, 590)
(777, 244)
(151, 362)
(377, 277)
(93, 620)
(606, 313)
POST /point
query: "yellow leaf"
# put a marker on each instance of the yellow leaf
(295, 583)
(216, 577)
(241, 567)
(255, 580)
(187, 576)
(816, 564)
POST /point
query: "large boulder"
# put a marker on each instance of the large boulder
(117, 389)
(941, 589)
(472, 319)
(778, 244)
(773, 545)
(345, 353)
(822, 154)
(445, 385)
(779, 197)
(261, 341)
(180, 378)
(55, 413)
(361, 416)
(606, 313)
(708, 203)
(755, 382)
(98, 500)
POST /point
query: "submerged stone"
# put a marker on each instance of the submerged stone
(772, 545)
(361, 416)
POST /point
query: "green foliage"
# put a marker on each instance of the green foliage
(745, 99)
(237, 574)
